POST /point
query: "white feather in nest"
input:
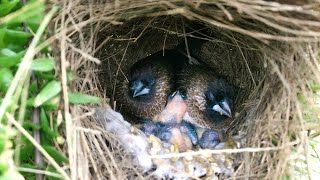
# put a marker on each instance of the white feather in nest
(143, 149)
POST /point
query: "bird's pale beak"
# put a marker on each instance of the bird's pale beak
(139, 89)
(223, 109)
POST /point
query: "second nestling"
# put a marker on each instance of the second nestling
(185, 105)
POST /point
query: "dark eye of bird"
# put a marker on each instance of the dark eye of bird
(172, 95)
(183, 94)
(150, 81)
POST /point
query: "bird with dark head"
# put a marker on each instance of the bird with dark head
(144, 93)
(219, 100)
(210, 101)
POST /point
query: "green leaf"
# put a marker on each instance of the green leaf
(6, 7)
(53, 170)
(11, 175)
(33, 87)
(48, 92)
(3, 167)
(32, 16)
(45, 75)
(58, 156)
(2, 35)
(8, 61)
(47, 140)
(5, 79)
(29, 176)
(78, 98)
(14, 34)
(43, 64)
(26, 152)
(51, 104)
(34, 21)
(31, 126)
(45, 124)
(29, 156)
(16, 47)
(30, 101)
(16, 37)
(7, 52)
(3, 138)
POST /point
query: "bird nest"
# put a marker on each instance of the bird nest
(266, 49)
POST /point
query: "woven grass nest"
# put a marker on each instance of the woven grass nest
(268, 49)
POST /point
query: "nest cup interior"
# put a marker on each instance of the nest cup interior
(268, 75)
(230, 55)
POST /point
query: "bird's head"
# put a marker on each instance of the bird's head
(174, 110)
(177, 105)
(219, 100)
(142, 84)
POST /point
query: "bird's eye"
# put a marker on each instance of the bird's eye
(149, 81)
(171, 96)
(183, 94)
(152, 81)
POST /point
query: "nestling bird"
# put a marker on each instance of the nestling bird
(210, 98)
(150, 80)
(172, 114)
(169, 126)
(175, 109)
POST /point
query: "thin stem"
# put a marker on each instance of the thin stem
(37, 145)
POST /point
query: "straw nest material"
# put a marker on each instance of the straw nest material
(267, 49)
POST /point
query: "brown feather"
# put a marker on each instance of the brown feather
(195, 81)
(162, 69)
